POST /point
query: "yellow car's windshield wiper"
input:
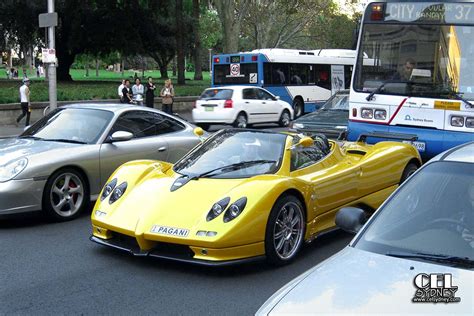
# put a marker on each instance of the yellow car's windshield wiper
(232, 167)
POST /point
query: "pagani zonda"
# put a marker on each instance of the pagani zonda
(244, 194)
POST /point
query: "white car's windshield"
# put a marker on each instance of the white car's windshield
(71, 125)
(433, 213)
(235, 154)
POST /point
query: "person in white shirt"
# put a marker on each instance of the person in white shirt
(120, 89)
(25, 102)
(138, 91)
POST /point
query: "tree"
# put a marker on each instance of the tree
(231, 13)
(197, 41)
(180, 41)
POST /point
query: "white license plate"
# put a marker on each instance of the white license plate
(209, 108)
(421, 146)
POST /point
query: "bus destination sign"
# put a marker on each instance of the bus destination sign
(449, 13)
(235, 59)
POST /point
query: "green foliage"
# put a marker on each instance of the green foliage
(105, 87)
(211, 30)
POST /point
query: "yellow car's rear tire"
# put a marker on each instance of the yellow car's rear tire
(408, 171)
(285, 230)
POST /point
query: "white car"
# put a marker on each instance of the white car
(240, 106)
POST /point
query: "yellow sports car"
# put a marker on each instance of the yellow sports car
(243, 195)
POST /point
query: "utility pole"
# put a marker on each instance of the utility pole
(53, 96)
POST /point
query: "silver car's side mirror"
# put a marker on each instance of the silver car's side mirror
(120, 136)
(277, 97)
(351, 219)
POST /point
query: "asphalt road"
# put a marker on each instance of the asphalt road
(51, 268)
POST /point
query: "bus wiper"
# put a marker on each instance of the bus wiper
(64, 140)
(232, 167)
(459, 96)
(379, 88)
(462, 261)
(371, 95)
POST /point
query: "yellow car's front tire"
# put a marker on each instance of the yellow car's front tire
(285, 230)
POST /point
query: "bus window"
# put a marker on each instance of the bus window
(298, 74)
(347, 76)
(323, 76)
(276, 74)
(222, 74)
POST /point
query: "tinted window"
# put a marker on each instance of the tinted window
(299, 74)
(145, 124)
(222, 74)
(216, 94)
(249, 94)
(276, 74)
(323, 76)
(263, 95)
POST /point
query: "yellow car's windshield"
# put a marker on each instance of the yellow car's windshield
(235, 154)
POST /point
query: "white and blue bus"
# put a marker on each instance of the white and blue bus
(304, 79)
(417, 84)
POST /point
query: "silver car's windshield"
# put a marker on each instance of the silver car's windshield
(433, 213)
(235, 154)
(70, 124)
(337, 102)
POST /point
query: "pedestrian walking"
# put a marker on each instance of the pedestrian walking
(167, 95)
(138, 91)
(150, 93)
(25, 102)
(120, 89)
(127, 96)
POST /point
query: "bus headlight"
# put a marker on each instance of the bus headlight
(457, 121)
(470, 122)
(380, 114)
(367, 113)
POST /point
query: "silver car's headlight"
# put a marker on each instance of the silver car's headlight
(12, 169)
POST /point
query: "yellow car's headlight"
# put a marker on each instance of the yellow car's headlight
(235, 209)
(109, 187)
(118, 192)
(217, 209)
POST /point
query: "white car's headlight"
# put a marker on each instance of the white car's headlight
(12, 169)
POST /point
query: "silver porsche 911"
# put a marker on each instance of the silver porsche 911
(60, 163)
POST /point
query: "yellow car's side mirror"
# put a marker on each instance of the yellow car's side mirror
(198, 131)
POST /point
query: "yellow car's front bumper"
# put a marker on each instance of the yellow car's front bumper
(179, 252)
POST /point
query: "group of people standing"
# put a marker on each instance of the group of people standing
(138, 93)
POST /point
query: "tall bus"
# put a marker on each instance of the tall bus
(304, 79)
(417, 84)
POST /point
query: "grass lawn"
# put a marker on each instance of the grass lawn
(92, 87)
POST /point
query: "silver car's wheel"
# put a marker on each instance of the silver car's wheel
(66, 195)
(285, 230)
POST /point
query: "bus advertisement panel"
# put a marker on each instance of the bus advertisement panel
(304, 79)
(419, 81)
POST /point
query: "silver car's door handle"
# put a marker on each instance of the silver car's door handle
(162, 148)
(247, 102)
(264, 102)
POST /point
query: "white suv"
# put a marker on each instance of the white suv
(240, 106)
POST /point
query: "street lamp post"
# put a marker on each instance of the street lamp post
(52, 66)
(210, 62)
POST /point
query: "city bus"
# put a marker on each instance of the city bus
(417, 84)
(303, 78)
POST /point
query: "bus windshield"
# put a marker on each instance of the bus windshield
(418, 60)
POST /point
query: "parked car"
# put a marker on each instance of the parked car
(244, 195)
(240, 106)
(61, 162)
(330, 120)
(415, 256)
